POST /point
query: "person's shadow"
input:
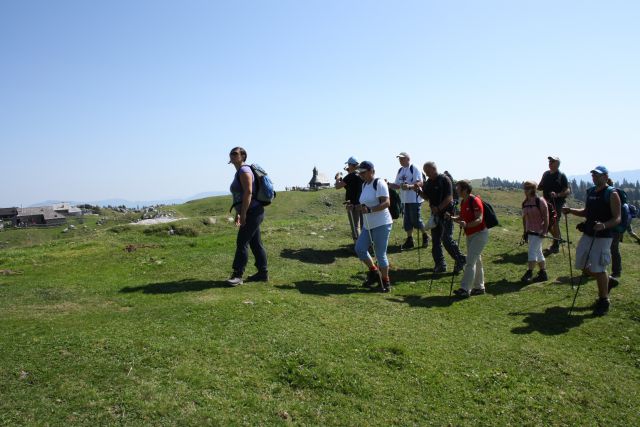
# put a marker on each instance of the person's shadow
(313, 287)
(554, 321)
(504, 286)
(431, 301)
(318, 256)
(186, 285)
(518, 258)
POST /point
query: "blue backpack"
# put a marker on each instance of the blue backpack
(625, 210)
(265, 192)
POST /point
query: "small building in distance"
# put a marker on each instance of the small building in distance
(66, 209)
(8, 213)
(41, 215)
(319, 180)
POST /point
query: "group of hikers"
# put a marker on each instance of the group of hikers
(368, 201)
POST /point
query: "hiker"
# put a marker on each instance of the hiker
(377, 221)
(535, 222)
(634, 213)
(593, 253)
(249, 216)
(407, 178)
(555, 189)
(353, 185)
(471, 220)
(439, 191)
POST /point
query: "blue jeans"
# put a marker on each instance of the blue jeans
(249, 235)
(442, 234)
(412, 218)
(380, 236)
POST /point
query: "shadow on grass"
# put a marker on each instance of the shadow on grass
(313, 287)
(426, 302)
(504, 286)
(519, 258)
(406, 275)
(187, 285)
(318, 256)
(554, 320)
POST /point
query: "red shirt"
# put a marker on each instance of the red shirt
(467, 214)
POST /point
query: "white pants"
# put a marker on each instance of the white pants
(535, 249)
(473, 269)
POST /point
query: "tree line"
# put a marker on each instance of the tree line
(578, 189)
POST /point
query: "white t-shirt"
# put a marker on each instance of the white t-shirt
(406, 176)
(369, 197)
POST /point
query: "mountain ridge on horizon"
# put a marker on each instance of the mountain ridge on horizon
(132, 203)
(630, 175)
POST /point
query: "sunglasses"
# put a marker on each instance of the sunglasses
(234, 153)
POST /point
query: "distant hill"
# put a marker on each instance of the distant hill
(133, 203)
(632, 176)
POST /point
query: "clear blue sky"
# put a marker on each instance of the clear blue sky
(144, 99)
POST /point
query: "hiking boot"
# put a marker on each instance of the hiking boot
(475, 292)
(440, 268)
(260, 276)
(408, 244)
(386, 286)
(425, 240)
(235, 279)
(613, 282)
(459, 265)
(553, 249)
(373, 279)
(541, 276)
(461, 293)
(601, 307)
(528, 277)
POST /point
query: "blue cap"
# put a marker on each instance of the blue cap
(352, 161)
(365, 166)
(600, 170)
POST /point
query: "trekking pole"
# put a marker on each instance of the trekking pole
(418, 240)
(553, 200)
(454, 275)
(593, 239)
(352, 224)
(566, 223)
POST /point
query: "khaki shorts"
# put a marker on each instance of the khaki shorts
(598, 249)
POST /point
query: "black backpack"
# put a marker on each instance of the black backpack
(490, 217)
(395, 204)
(454, 193)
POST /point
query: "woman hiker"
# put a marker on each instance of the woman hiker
(249, 216)
(377, 221)
(535, 221)
(471, 220)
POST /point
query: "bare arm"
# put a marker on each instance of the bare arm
(246, 179)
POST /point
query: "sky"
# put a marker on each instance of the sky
(143, 100)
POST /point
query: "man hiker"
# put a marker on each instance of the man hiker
(439, 191)
(555, 189)
(409, 177)
(353, 185)
(593, 253)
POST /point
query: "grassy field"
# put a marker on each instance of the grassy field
(120, 324)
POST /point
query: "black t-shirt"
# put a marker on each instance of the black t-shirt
(556, 182)
(598, 208)
(353, 187)
(437, 190)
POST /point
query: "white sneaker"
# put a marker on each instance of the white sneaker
(235, 281)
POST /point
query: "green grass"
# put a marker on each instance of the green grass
(94, 335)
